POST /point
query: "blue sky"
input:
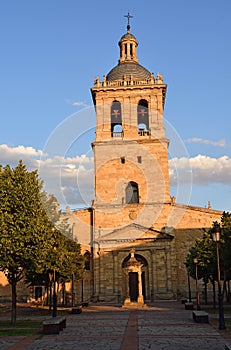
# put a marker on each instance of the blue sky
(51, 51)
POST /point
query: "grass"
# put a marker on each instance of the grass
(25, 326)
(227, 312)
(22, 328)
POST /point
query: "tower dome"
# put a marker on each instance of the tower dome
(128, 62)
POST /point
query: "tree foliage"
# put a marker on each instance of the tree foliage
(63, 256)
(30, 243)
(23, 224)
(205, 252)
(52, 208)
(226, 246)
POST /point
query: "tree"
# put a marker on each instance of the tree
(205, 251)
(63, 256)
(205, 254)
(51, 206)
(24, 225)
(225, 248)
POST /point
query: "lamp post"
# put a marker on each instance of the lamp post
(54, 310)
(216, 234)
(189, 287)
(197, 291)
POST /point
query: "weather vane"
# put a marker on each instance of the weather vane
(128, 16)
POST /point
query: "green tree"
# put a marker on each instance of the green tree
(24, 225)
(52, 208)
(63, 256)
(225, 248)
(204, 251)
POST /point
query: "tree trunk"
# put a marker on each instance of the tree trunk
(225, 294)
(14, 301)
(63, 294)
(228, 296)
(50, 296)
(47, 294)
(206, 294)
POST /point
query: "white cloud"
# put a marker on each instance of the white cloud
(79, 104)
(21, 150)
(71, 179)
(76, 103)
(219, 143)
(29, 155)
(203, 169)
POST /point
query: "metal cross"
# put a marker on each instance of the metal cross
(128, 16)
(116, 113)
(142, 111)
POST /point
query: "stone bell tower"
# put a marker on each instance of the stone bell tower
(130, 147)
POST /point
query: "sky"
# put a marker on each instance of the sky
(51, 51)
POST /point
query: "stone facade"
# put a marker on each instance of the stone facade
(133, 217)
(131, 158)
(161, 248)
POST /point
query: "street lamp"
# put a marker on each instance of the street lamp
(216, 234)
(54, 310)
(189, 288)
(197, 291)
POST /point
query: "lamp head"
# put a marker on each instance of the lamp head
(216, 232)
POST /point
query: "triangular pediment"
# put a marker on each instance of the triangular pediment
(133, 232)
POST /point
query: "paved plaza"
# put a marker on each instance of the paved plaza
(165, 325)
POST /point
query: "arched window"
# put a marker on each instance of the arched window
(116, 119)
(143, 118)
(132, 193)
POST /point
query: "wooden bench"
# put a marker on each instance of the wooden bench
(76, 310)
(54, 325)
(188, 306)
(84, 304)
(201, 316)
(184, 300)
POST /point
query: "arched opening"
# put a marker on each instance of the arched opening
(143, 118)
(116, 119)
(138, 257)
(132, 193)
(134, 265)
(117, 128)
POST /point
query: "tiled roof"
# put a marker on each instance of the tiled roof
(129, 69)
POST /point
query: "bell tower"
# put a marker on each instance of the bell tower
(130, 146)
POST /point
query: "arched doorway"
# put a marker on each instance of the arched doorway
(133, 286)
(134, 267)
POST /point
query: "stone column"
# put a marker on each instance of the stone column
(140, 295)
(127, 300)
(152, 251)
(115, 272)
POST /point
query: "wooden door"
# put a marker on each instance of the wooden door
(133, 286)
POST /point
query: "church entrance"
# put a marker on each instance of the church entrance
(133, 286)
(135, 266)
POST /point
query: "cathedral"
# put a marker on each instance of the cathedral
(134, 235)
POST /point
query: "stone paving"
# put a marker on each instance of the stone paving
(165, 325)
